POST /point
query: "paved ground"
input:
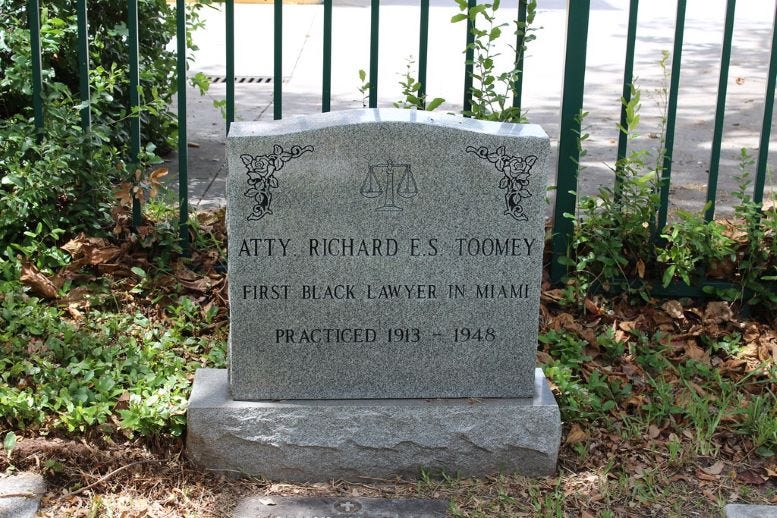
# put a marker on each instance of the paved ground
(303, 27)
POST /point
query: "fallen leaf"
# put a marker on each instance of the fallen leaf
(576, 435)
(104, 255)
(653, 431)
(641, 268)
(73, 310)
(718, 312)
(694, 352)
(715, 469)
(751, 477)
(122, 403)
(38, 283)
(591, 307)
(123, 193)
(701, 475)
(628, 326)
(674, 309)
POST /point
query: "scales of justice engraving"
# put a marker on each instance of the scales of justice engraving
(389, 179)
(261, 176)
(516, 170)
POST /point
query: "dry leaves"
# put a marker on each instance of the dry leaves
(38, 283)
(576, 435)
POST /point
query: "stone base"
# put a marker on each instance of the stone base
(751, 511)
(320, 440)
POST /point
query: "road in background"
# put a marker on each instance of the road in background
(302, 71)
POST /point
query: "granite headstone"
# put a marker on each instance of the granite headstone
(390, 254)
(379, 259)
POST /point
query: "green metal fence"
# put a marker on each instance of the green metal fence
(572, 93)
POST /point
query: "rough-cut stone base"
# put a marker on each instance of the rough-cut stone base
(751, 511)
(319, 440)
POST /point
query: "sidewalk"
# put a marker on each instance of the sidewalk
(303, 29)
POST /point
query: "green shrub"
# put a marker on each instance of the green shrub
(56, 183)
(59, 185)
(108, 51)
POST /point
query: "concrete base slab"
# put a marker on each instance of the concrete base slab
(319, 440)
(751, 511)
(303, 506)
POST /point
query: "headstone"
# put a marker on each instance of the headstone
(20, 494)
(306, 506)
(379, 258)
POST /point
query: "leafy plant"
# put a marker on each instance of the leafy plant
(410, 93)
(758, 259)
(612, 247)
(583, 396)
(9, 443)
(364, 89)
(492, 89)
(112, 371)
(689, 243)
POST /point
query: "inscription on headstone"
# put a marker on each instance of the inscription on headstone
(384, 254)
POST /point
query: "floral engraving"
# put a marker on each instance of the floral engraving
(516, 170)
(261, 176)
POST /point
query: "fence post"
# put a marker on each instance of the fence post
(720, 110)
(520, 47)
(423, 51)
(374, 29)
(628, 81)
(230, 65)
(83, 64)
(134, 80)
(469, 58)
(326, 83)
(183, 151)
(33, 19)
(277, 94)
(569, 134)
(671, 116)
(766, 128)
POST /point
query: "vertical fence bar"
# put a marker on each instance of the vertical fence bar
(766, 128)
(229, 12)
(278, 60)
(720, 110)
(671, 115)
(568, 149)
(520, 46)
(134, 94)
(628, 80)
(374, 28)
(33, 19)
(326, 88)
(423, 50)
(183, 151)
(469, 58)
(83, 63)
